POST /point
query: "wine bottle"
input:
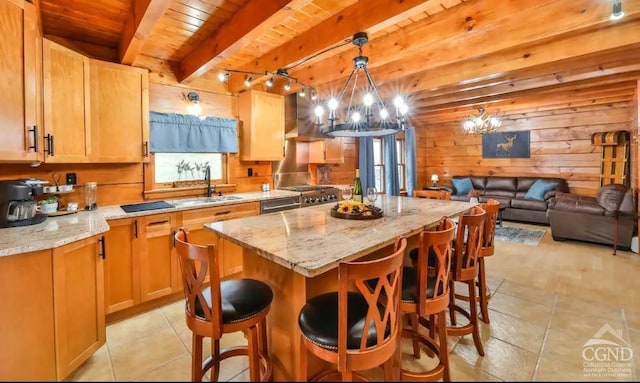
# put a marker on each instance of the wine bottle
(357, 187)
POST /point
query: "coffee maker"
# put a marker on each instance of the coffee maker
(18, 205)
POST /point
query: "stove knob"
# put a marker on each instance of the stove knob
(306, 200)
(324, 199)
(312, 200)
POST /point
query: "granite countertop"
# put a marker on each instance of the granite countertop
(310, 241)
(59, 231)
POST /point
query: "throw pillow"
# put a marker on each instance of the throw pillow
(462, 185)
(539, 188)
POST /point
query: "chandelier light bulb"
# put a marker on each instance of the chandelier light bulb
(319, 111)
(495, 122)
(403, 109)
(332, 104)
(248, 81)
(269, 82)
(355, 117)
(469, 125)
(384, 114)
(367, 100)
(398, 101)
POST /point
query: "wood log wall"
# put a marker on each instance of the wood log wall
(560, 125)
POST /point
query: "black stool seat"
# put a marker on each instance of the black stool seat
(318, 321)
(241, 299)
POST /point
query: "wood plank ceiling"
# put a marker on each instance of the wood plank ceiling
(448, 55)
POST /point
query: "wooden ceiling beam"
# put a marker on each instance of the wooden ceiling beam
(468, 30)
(142, 18)
(252, 20)
(468, 33)
(575, 87)
(369, 16)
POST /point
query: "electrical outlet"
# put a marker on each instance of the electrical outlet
(71, 178)
(250, 172)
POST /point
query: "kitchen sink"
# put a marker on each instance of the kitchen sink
(204, 200)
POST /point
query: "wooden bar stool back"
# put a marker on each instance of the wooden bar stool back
(432, 194)
(222, 307)
(492, 207)
(468, 245)
(356, 330)
(425, 296)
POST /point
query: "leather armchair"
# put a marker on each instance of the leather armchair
(594, 219)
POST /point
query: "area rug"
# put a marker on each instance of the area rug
(521, 235)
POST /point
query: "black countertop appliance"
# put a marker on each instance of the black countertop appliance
(18, 205)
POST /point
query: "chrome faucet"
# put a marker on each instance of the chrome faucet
(207, 177)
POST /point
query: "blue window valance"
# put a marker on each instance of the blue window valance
(184, 133)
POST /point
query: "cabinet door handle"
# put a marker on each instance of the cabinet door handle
(146, 149)
(324, 155)
(49, 149)
(158, 223)
(174, 238)
(35, 138)
(135, 228)
(103, 253)
(223, 212)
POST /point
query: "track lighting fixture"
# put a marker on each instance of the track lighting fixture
(287, 86)
(223, 76)
(269, 82)
(302, 93)
(248, 81)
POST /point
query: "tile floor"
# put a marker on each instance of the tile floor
(548, 301)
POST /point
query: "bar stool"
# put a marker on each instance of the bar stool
(425, 296)
(468, 246)
(356, 330)
(432, 194)
(492, 207)
(223, 307)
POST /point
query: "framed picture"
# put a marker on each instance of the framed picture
(506, 145)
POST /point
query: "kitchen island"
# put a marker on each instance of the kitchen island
(297, 253)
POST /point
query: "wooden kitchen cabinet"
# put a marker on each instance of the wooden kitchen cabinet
(328, 151)
(78, 295)
(119, 113)
(66, 104)
(121, 267)
(26, 325)
(229, 253)
(19, 63)
(262, 128)
(52, 305)
(158, 258)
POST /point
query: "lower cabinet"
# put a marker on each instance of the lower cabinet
(141, 263)
(52, 310)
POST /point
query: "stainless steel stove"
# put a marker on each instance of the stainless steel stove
(314, 194)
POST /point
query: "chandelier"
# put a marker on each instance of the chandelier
(481, 123)
(358, 120)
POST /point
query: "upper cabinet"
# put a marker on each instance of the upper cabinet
(326, 151)
(66, 104)
(119, 113)
(19, 38)
(262, 129)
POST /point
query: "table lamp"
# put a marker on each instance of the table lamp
(434, 179)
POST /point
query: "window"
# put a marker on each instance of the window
(177, 167)
(378, 163)
(402, 170)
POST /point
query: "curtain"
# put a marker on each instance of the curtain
(365, 163)
(391, 182)
(183, 133)
(411, 165)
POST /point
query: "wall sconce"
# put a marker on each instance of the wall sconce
(193, 103)
(434, 179)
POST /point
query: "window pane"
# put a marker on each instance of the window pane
(170, 167)
(401, 177)
(379, 176)
(377, 151)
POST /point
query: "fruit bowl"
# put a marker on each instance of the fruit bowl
(355, 210)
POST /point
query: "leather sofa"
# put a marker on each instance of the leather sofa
(510, 192)
(593, 219)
